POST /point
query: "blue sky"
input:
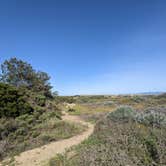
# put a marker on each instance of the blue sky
(89, 46)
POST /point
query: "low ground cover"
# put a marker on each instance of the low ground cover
(123, 137)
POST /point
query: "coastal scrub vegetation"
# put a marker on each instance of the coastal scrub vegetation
(29, 113)
(122, 137)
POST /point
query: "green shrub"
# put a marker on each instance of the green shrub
(137, 99)
(3, 147)
(21, 131)
(59, 160)
(7, 127)
(12, 103)
(35, 134)
(46, 138)
(71, 110)
(151, 117)
(151, 144)
(40, 100)
(122, 114)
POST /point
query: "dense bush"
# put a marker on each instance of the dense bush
(148, 117)
(151, 117)
(122, 114)
(12, 102)
(71, 110)
(40, 100)
(33, 130)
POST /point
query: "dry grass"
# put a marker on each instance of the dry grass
(91, 109)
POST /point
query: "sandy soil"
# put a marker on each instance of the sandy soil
(39, 155)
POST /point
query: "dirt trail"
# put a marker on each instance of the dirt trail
(39, 155)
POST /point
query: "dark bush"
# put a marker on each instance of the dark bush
(71, 110)
(12, 103)
(40, 100)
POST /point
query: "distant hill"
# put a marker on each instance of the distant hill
(151, 93)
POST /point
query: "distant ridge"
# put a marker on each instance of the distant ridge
(150, 93)
(122, 94)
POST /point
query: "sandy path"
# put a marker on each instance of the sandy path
(39, 155)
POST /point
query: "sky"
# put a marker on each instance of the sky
(89, 46)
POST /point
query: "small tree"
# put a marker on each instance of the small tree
(19, 73)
